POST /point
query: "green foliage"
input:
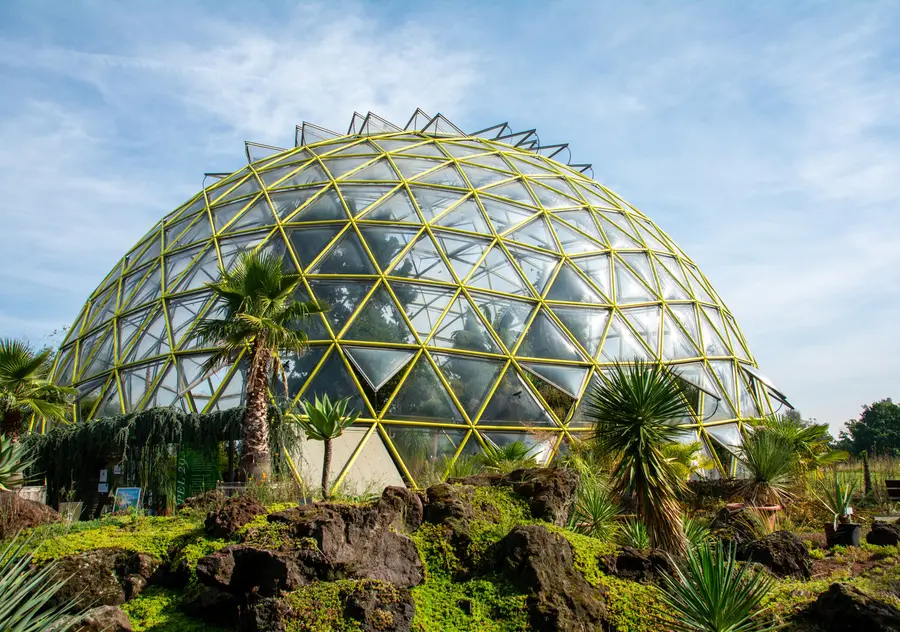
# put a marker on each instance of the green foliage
(877, 431)
(633, 414)
(507, 458)
(713, 593)
(687, 458)
(319, 607)
(697, 533)
(464, 465)
(156, 610)
(635, 607)
(491, 606)
(837, 497)
(25, 592)
(595, 510)
(771, 461)
(325, 420)
(25, 386)
(13, 460)
(810, 441)
(633, 533)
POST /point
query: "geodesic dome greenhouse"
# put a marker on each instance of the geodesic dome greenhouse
(477, 285)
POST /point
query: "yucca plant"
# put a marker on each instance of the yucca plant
(504, 459)
(635, 413)
(712, 592)
(634, 533)
(464, 465)
(771, 463)
(325, 421)
(595, 510)
(837, 498)
(13, 459)
(26, 592)
(697, 533)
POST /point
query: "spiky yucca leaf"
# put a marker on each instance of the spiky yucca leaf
(771, 462)
(507, 458)
(634, 533)
(712, 592)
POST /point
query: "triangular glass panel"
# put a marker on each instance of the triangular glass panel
(585, 324)
(177, 263)
(616, 237)
(621, 221)
(527, 167)
(423, 397)
(340, 297)
(174, 229)
(309, 241)
(149, 290)
(423, 149)
(338, 167)
(595, 196)
(380, 170)
(597, 270)
(248, 187)
(347, 256)
(544, 339)
(137, 381)
(257, 215)
(308, 175)
(271, 177)
(583, 221)
(494, 161)
(569, 379)
(183, 313)
(650, 239)
(670, 288)
(286, 202)
(314, 324)
(640, 263)
(296, 368)
(411, 167)
(166, 391)
(359, 197)
(445, 176)
(621, 345)
(549, 198)
(153, 341)
(749, 407)
(629, 289)
(102, 352)
(151, 253)
(555, 399)
(504, 215)
(676, 344)
(537, 267)
(467, 216)
(204, 269)
(688, 319)
(129, 328)
(496, 272)
(377, 365)
(198, 231)
(423, 304)
(386, 242)
(539, 446)
(728, 435)
(395, 208)
(535, 233)
(359, 149)
(424, 450)
(506, 316)
(110, 404)
(645, 321)
(462, 329)
(433, 202)
(737, 340)
(463, 252)
(462, 151)
(391, 145)
(379, 320)
(698, 286)
(713, 343)
(514, 191)
(568, 286)
(422, 261)
(724, 371)
(470, 378)
(479, 177)
(514, 404)
(327, 206)
(227, 212)
(573, 242)
(334, 380)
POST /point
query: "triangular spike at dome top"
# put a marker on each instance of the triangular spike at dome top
(476, 284)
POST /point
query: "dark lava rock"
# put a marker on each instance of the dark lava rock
(241, 570)
(234, 514)
(380, 607)
(884, 534)
(632, 564)
(361, 542)
(783, 553)
(405, 503)
(445, 502)
(107, 577)
(267, 615)
(540, 564)
(732, 526)
(214, 606)
(549, 491)
(846, 608)
(103, 619)
(21, 513)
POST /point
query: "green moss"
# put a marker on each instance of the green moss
(635, 607)
(320, 607)
(156, 610)
(587, 552)
(478, 605)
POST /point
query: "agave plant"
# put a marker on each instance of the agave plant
(26, 592)
(771, 463)
(634, 533)
(504, 459)
(711, 592)
(635, 414)
(13, 460)
(837, 498)
(325, 421)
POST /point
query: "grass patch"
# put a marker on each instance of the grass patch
(156, 610)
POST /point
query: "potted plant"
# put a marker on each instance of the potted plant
(69, 508)
(836, 498)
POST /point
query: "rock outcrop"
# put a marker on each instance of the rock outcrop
(21, 513)
(629, 563)
(844, 608)
(103, 577)
(781, 552)
(233, 514)
(884, 534)
(103, 619)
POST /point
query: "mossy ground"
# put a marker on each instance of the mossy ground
(481, 603)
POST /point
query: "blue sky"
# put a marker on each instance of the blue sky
(763, 137)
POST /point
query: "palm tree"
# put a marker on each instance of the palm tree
(810, 442)
(25, 387)
(687, 458)
(771, 464)
(634, 415)
(325, 421)
(262, 317)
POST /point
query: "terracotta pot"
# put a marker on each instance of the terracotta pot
(769, 512)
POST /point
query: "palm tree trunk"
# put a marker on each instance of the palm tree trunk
(255, 459)
(326, 469)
